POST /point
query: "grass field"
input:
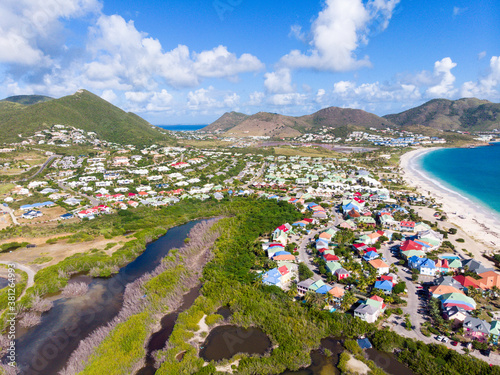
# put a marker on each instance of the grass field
(5, 188)
(307, 151)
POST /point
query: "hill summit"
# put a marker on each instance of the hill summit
(468, 114)
(83, 110)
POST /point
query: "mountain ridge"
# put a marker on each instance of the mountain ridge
(466, 114)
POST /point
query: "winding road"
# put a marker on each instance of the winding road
(29, 271)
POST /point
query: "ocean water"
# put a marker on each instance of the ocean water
(473, 172)
(181, 128)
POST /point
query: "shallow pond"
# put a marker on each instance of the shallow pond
(224, 342)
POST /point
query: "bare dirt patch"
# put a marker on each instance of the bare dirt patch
(58, 251)
(356, 366)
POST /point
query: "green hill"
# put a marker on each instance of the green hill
(469, 114)
(334, 117)
(82, 110)
(28, 99)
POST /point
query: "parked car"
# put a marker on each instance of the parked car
(454, 343)
(445, 339)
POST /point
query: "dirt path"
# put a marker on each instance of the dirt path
(31, 274)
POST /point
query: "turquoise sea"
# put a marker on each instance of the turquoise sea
(181, 128)
(473, 172)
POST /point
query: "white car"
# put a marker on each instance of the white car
(445, 339)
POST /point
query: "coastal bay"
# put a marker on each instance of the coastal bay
(479, 222)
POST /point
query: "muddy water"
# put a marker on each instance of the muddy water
(158, 339)
(3, 282)
(44, 349)
(326, 365)
(224, 342)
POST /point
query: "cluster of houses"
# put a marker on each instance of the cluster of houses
(405, 138)
(62, 136)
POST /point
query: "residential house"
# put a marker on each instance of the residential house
(489, 280)
(457, 299)
(407, 226)
(424, 265)
(380, 266)
(476, 329)
(371, 309)
(384, 285)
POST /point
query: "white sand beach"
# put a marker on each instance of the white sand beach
(481, 224)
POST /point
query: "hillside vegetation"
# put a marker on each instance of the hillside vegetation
(27, 99)
(82, 110)
(468, 114)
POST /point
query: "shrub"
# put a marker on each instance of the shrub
(352, 346)
(213, 318)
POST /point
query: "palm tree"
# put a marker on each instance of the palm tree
(292, 291)
(347, 301)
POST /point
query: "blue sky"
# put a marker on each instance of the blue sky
(188, 62)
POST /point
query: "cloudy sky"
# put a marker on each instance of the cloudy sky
(188, 62)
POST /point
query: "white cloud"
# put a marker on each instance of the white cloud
(348, 91)
(337, 33)
(220, 63)
(481, 55)
(442, 72)
(121, 51)
(320, 95)
(458, 11)
(31, 31)
(287, 99)
(137, 96)
(296, 32)
(109, 95)
(142, 101)
(206, 99)
(256, 98)
(278, 82)
(232, 100)
(486, 87)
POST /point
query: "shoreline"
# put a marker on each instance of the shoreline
(481, 223)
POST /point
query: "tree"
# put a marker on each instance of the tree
(347, 301)
(396, 236)
(399, 288)
(304, 272)
(292, 291)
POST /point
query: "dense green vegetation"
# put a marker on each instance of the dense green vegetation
(27, 99)
(430, 359)
(9, 246)
(229, 280)
(21, 281)
(82, 110)
(125, 344)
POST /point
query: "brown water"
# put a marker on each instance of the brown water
(224, 342)
(320, 363)
(326, 365)
(45, 349)
(159, 339)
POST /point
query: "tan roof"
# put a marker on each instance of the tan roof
(378, 263)
(444, 289)
(336, 292)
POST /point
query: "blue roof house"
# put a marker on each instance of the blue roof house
(384, 285)
(370, 255)
(272, 277)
